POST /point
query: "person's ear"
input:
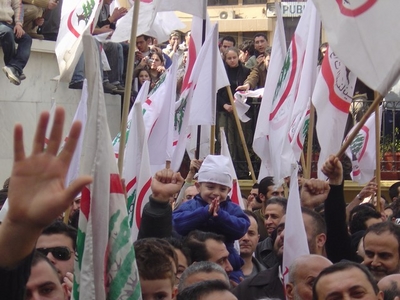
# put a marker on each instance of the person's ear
(321, 240)
(289, 291)
(380, 296)
(174, 292)
(67, 292)
(197, 185)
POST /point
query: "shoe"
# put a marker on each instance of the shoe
(12, 75)
(109, 88)
(22, 76)
(76, 85)
(120, 90)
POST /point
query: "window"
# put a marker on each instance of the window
(254, 2)
(222, 2)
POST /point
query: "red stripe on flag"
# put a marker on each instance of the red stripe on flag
(85, 202)
(291, 80)
(148, 101)
(138, 209)
(192, 58)
(70, 26)
(131, 184)
(235, 196)
(335, 100)
(115, 184)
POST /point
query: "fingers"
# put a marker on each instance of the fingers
(40, 134)
(56, 131)
(75, 188)
(19, 151)
(70, 145)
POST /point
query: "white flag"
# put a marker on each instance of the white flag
(295, 243)
(280, 117)
(332, 98)
(363, 35)
(105, 266)
(261, 139)
(136, 170)
(76, 17)
(362, 151)
(193, 7)
(151, 22)
(301, 106)
(80, 115)
(208, 76)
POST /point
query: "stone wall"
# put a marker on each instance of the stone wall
(24, 103)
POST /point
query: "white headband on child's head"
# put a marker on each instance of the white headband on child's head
(215, 168)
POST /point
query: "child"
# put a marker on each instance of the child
(212, 209)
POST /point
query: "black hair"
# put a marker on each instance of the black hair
(195, 241)
(229, 39)
(359, 219)
(343, 266)
(58, 227)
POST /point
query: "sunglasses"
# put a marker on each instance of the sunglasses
(59, 253)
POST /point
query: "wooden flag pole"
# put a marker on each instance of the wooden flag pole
(239, 126)
(310, 141)
(371, 109)
(303, 163)
(378, 157)
(66, 215)
(128, 87)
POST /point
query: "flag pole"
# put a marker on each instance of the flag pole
(203, 38)
(310, 141)
(378, 157)
(241, 135)
(128, 86)
(371, 109)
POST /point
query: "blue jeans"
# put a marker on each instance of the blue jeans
(79, 72)
(14, 58)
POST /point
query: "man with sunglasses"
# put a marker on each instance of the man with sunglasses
(58, 242)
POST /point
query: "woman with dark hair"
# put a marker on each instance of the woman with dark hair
(237, 74)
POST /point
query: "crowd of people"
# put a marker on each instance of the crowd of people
(202, 245)
(193, 242)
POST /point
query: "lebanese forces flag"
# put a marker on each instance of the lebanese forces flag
(136, 169)
(362, 151)
(235, 193)
(367, 24)
(283, 113)
(76, 17)
(207, 76)
(261, 134)
(105, 266)
(332, 98)
(301, 108)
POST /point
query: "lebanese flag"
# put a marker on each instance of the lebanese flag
(136, 171)
(301, 108)
(105, 267)
(362, 151)
(261, 134)
(161, 133)
(76, 17)
(295, 243)
(282, 112)
(332, 97)
(235, 193)
(359, 34)
(208, 76)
